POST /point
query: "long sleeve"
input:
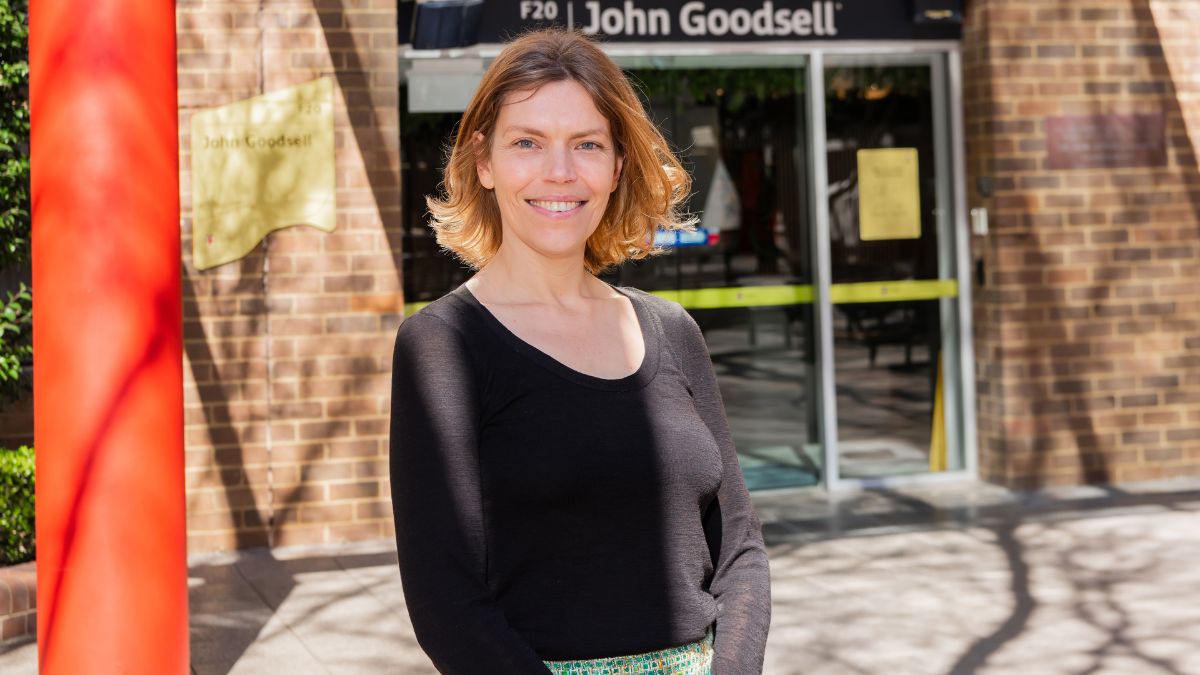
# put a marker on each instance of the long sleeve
(741, 581)
(437, 504)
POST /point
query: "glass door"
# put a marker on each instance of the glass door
(745, 275)
(892, 265)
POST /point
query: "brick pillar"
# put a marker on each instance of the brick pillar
(288, 351)
(1088, 320)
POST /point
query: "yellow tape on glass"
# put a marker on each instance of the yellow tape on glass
(740, 296)
(798, 294)
(893, 291)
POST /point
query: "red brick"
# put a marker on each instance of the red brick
(358, 531)
(371, 469)
(326, 513)
(372, 510)
(12, 627)
(1163, 454)
(1191, 434)
(346, 491)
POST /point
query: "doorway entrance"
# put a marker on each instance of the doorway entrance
(894, 275)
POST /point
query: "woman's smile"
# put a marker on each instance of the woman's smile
(558, 208)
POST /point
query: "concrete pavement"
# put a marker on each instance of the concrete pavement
(959, 578)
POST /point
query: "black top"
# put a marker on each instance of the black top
(546, 514)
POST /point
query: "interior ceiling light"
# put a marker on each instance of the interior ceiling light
(876, 92)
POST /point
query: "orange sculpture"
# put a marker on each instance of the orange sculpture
(108, 398)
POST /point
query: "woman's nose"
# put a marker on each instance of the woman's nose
(560, 165)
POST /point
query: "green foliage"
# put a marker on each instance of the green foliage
(14, 133)
(17, 543)
(16, 344)
(708, 86)
(15, 313)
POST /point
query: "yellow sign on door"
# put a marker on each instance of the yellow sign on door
(889, 194)
(259, 165)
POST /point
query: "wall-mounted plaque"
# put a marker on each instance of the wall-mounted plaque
(1106, 141)
(259, 165)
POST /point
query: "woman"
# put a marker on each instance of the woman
(566, 490)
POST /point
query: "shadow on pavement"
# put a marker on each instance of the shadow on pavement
(1062, 581)
(298, 614)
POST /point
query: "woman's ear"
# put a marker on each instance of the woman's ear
(483, 163)
(617, 173)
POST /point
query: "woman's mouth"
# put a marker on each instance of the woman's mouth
(555, 206)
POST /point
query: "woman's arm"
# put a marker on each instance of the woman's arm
(438, 510)
(741, 580)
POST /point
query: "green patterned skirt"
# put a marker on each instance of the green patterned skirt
(690, 659)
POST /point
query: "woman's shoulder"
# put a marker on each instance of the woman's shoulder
(447, 317)
(671, 314)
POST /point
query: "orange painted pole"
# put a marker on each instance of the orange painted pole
(108, 402)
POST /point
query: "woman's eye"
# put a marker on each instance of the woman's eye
(590, 145)
(524, 143)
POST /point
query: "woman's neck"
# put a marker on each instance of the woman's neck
(512, 278)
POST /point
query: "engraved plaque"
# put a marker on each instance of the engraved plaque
(259, 165)
(1106, 141)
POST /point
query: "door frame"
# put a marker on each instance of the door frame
(953, 248)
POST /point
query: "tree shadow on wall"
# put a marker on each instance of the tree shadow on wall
(229, 458)
(1123, 344)
(355, 81)
(1180, 65)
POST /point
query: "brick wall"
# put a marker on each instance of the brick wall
(1088, 320)
(18, 601)
(287, 351)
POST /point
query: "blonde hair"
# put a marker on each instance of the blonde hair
(650, 189)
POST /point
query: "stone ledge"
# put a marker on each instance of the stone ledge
(18, 601)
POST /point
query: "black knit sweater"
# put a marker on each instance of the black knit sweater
(546, 514)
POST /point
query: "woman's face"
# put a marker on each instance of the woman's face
(552, 166)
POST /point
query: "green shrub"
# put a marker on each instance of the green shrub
(16, 506)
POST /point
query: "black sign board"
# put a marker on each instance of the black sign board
(684, 20)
